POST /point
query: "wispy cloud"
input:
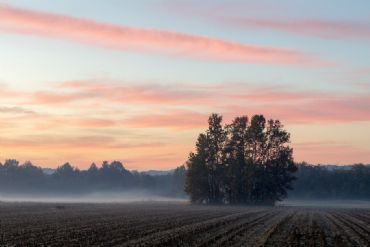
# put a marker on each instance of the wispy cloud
(320, 28)
(84, 121)
(173, 119)
(138, 93)
(165, 105)
(15, 110)
(279, 102)
(95, 123)
(27, 22)
(81, 150)
(50, 98)
(56, 142)
(330, 152)
(311, 110)
(271, 17)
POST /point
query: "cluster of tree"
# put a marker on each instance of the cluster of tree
(320, 182)
(245, 162)
(27, 178)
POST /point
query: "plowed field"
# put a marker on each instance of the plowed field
(180, 224)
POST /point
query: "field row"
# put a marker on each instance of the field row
(179, 224)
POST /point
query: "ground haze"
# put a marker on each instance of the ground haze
(180, 224)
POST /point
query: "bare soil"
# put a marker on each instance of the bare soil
(180, 224)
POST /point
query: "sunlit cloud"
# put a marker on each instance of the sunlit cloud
(155, 117)
(53, 150)
(81, 143)
(279, 102)
(84, 103)
(190, 102)
(27, 22)
(178, 119)
(337, 153)
(320, 28)
(15, 110)
(333, 109)
(139, 93)
(50, 98)
(95, 123)
(277, 20)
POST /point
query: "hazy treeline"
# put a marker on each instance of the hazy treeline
(325, 182)
(312, 181)
(245, 162)
(68, 180)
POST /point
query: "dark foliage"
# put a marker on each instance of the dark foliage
(241, 163)
(331, 182)
(113, 177)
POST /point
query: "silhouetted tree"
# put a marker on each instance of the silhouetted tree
(178, 181)
(245, 163)
(237, 176)
(313, 182)
(270, 159)
(197, 178)
(332, 182)
(215, 143)
(30, 175)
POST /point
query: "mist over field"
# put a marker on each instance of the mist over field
(111, 182)
(184, 123)
(147, 197)
(329, 203)
(93, 197)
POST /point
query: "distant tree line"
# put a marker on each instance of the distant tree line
(245, 162)
(67, 180)
(330, 182)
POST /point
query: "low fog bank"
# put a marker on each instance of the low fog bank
(93, 197)
(314, 185)
(335, 183)
(109, 183)
(325, 203)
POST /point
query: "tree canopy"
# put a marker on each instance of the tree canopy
(27, 178)
(332, 182)
(245, 162)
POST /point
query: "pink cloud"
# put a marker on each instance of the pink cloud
(21, 21)
(6, 93)
(175, 119)
(96, 123)
(362, 72)
(184, 94)
(57, 142)
(139, 94)
(296, 109)
(51, 122)
(91, 133)
(50, 98)
(334, 153)
(179, 106)
(160, 161)
(320, 28)
(304, 107)
(269, 95)
(242, 15)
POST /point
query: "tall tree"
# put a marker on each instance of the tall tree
(197, 180)
(216, 137)
(178, 180)
(237, 172)
(276, 163)
(243, 163)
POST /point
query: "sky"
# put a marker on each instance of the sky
(86, 81)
